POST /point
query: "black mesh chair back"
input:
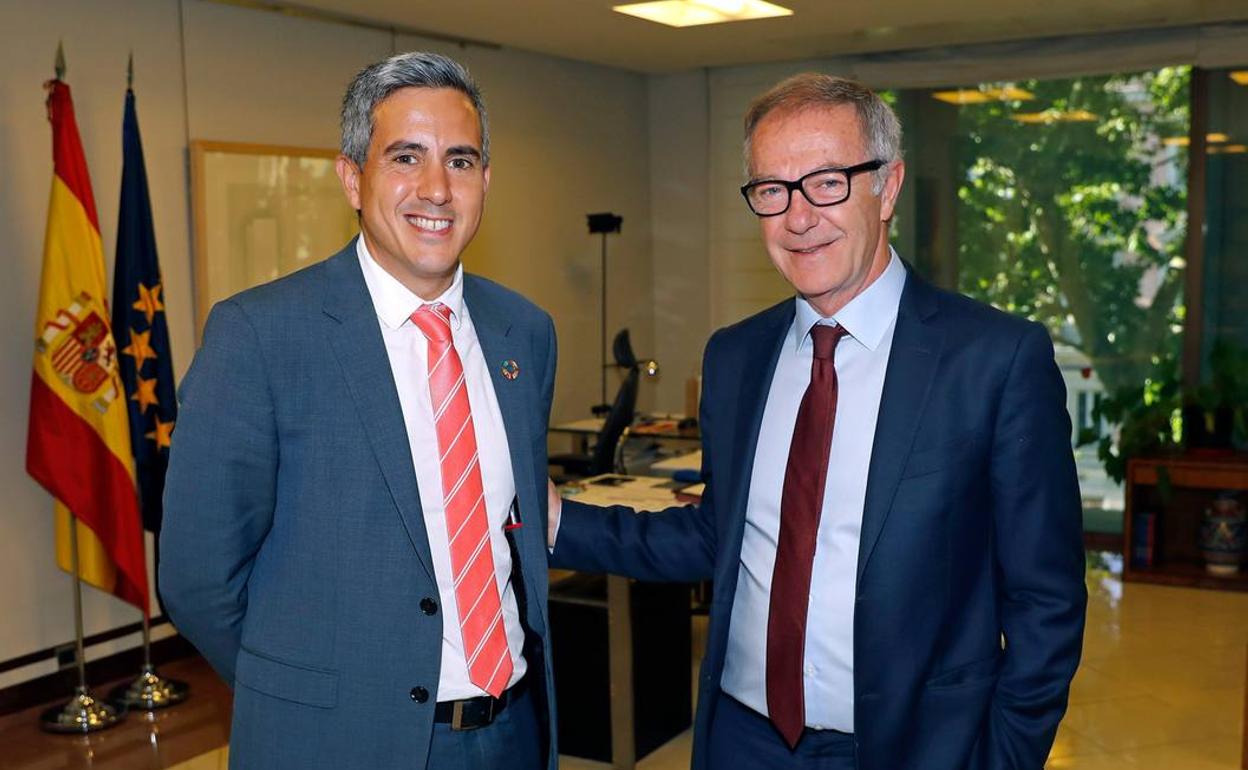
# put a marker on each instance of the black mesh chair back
(623, 409)
(622, 350)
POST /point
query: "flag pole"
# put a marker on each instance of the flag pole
(150, 691)
(83, 713)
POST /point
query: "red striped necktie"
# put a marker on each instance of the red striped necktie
(463, 497)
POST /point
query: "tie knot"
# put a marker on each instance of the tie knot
(825, 339)
(434, 321)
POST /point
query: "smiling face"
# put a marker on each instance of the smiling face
(831, 253)
(422, 189)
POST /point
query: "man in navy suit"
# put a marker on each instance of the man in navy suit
(355, 527)
(891, 515)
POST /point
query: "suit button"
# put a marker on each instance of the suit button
(428, 606)
(419, 694)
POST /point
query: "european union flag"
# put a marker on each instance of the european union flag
(140, 329)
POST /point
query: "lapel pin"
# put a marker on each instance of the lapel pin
(511, 370)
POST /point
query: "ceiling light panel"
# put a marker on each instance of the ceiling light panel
(690, 13)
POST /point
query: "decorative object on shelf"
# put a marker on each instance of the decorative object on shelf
(1224, 534)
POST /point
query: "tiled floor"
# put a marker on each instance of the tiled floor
(1162, 680)
(1161, 686)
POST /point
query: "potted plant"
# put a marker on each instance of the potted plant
(1147, 420)
(1213, 414)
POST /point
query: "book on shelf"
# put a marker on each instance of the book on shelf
(1143, 539)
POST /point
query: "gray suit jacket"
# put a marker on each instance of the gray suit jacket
(294, 552)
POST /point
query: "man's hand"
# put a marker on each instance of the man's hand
(554, 508)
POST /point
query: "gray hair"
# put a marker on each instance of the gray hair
(417, 69)
(880, 126)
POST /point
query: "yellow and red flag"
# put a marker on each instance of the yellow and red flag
(78, 441)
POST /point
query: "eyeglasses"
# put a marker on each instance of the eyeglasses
(822, 187)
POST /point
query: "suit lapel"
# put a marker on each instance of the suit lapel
(358, 346)
(754, 370)
(517, 402)
(917, 343)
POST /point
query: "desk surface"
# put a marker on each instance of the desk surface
(691, 461)
(588, 425)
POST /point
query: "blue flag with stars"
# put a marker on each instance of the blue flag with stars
(139, 327)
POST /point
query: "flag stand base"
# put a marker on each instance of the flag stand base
(82, 714)
(150, 691)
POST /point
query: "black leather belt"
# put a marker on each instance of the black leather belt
(471, 713)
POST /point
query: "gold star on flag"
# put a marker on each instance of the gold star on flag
(140, 348)
(162, 435)
(145, 394)
(149, 302)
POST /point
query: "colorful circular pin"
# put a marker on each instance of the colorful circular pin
(511, 370)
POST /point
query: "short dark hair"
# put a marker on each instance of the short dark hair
(417, 69)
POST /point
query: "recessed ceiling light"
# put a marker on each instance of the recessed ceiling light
(962, 96)
(1056, 116)
(689, 13)
(1228, 149)
(1213, 137)
(983, 95)
(1012, 94)
(1240, 76)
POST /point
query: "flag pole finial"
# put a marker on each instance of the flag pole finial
(60, 61)
(130, 72)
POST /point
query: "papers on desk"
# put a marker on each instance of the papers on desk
(656, 428)
(691, 493)
(641, 493)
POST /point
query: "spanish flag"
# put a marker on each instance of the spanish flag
(78, 441)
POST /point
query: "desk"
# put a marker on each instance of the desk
(664, 426)
(621, 716)
(691, 461)
(589, 425)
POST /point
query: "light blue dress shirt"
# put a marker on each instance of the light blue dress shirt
(861, 361)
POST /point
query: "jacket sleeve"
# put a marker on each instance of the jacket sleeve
(675, 544)
(1037, 515)
(220, 489)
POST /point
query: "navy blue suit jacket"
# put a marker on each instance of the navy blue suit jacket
(294, 552)
(970, 582)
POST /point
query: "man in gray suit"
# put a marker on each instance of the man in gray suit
(354, 533)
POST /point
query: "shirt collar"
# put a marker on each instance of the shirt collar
(867, 317)
(394, 302)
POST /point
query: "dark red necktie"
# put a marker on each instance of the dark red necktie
(800, 505)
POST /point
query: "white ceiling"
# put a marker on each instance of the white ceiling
(588, 30)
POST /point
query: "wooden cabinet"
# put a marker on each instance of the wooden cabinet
(1194, 482)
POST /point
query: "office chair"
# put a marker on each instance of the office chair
(601, 459)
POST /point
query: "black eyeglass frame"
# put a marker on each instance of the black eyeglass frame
(848, 171)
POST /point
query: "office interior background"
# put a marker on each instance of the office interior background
(1084, 164)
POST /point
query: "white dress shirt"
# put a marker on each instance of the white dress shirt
(861, 360)
(408, 351)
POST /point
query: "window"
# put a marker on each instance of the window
(1064, 201)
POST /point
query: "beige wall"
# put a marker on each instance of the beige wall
(568, 139)
(679, 168)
